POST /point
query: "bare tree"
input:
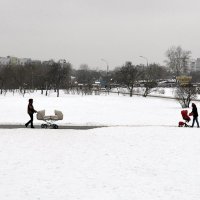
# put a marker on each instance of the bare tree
(63, 76)
(184, 94)
(128, 75)
(151, 74)
(177, 60)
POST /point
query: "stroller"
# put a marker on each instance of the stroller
(186, 117)
(49, 119)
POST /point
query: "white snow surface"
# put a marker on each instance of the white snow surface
(92, 110)
(142, 155)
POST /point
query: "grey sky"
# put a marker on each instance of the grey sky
(84, 31)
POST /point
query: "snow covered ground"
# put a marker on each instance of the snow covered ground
(142, 155)
(95, 110)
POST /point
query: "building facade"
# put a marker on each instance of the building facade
(197, 64)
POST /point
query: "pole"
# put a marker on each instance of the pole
(145, 59)
(107, 70)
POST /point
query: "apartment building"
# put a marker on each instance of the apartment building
(24, 61)
(197, 64)
(192, 65)
(11, 60)
(4, 61)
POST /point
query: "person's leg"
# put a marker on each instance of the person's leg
(31, 116)
(197, 122)
(194, 118)
(28, 121)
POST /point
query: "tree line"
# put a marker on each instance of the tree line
(56, 76)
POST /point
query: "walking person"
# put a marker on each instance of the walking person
(30, 111)
(195, 115)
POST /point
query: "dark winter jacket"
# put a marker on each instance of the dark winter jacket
(31, 109)
(194, 110)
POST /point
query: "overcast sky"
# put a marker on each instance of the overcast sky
(84, 31)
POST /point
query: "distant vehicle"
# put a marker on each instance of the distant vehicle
(103, 90)
(167, 83)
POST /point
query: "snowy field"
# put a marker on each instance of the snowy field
(92, 110)
(142, 155)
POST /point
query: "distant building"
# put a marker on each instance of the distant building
(48, 62)
(13, 60)
(36, 62)
(9, 60)
(24, 61)
(198, 64)
(4, 60)
(192, 65)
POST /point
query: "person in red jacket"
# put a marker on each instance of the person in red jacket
(30, 111)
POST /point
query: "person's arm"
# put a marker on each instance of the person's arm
(34, 110)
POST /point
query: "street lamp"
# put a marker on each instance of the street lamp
(145, 59)
(144, 71)
(107, 69)
(106, 65)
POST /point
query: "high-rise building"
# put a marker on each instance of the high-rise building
(198, 64)
(192, 65)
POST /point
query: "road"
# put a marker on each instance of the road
(76, 127)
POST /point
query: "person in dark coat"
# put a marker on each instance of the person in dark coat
(195, 115)
(30, 111)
